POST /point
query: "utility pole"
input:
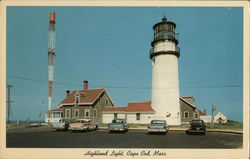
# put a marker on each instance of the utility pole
(212, 116)
(9, 101)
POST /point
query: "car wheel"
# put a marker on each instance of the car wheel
(187, 132)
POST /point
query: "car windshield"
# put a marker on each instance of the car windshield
(158, 122)
(118, 121)
(196, 122)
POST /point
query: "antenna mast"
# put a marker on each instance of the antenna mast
(51, 55)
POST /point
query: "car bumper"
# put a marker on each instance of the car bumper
(85, 128)
(197, 131)
(117, 129)
(157, 130)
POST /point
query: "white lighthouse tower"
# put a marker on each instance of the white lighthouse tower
(165, 80)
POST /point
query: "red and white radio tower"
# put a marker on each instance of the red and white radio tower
(51, 55)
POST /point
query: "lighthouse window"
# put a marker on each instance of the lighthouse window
(160, 28)
(165, 27)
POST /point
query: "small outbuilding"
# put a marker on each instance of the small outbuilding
(135, 112)
(220, 118)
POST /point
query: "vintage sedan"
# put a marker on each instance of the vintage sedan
(118, 125)
(63, 124)
(196, 127)
(158, 126)
(83, 125)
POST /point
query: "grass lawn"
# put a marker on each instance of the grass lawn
(228, 126)
(16, 126)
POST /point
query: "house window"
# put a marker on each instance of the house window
(67, 113)
(115, 115)
(94, 112)
(106, 102)
(196, 115)
(87, 113)
(137, 116)
(76, 113)
(186, 114)
(77, 99)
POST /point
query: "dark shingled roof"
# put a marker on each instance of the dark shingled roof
(86, 96)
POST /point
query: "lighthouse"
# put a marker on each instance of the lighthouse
(165, 81)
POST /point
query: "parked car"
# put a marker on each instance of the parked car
(83, 124)
(118, 125)
(196, 127)
(63, 124)
(158, 126)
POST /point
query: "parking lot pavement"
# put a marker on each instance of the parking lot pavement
(48, 138)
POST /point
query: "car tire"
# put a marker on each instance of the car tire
(187, 132)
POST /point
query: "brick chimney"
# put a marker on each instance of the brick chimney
(205, 112)
(67, 93)
(85, 85)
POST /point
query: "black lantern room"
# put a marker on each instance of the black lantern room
(164, 30)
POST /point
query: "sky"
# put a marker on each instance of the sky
(109, 47)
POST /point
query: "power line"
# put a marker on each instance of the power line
(131, 87)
